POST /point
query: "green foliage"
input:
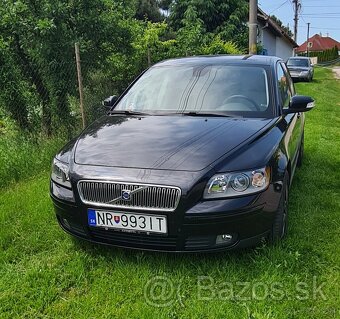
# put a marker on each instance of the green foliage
(224, 17)
(24, 155)
(164, 4)
(152, 43)
(191, 34)
(38, 47)
(324, 56)
(283, 27)
(38, 72)
(148, 10)
(218, 46)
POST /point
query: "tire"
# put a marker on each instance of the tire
(301, 151)
(279, 228)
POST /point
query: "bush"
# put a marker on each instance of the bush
(324, 56)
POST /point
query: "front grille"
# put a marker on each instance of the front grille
(141, 196)
(134, 240)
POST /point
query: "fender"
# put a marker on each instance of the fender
(267, 150)
(66, 153)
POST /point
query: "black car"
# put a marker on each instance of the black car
(300, 68)
(198, 154)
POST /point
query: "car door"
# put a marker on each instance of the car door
(294, 121)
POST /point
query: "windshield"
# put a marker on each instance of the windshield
(199, 88)
(297, 62)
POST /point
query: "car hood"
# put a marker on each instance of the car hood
(163, 142)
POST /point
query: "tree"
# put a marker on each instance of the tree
(164, 4)
(191, 35)
(148, 10)
(224, 17)
(38, 42)
(280, 23)
(38, 75)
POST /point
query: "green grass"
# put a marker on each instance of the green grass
(23, 155)
(47, 274)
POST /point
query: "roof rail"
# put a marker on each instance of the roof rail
(247, 56)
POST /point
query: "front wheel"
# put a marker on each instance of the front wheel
(279, 229)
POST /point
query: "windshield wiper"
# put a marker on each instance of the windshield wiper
(205, 114)
(127, 112)
(193, 113)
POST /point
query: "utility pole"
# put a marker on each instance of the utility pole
(297, 7)
(308, 23)
(252, 26)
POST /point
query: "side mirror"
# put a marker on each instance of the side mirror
(299, 103)
(109, 102)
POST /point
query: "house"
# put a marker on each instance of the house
(318, 43)
(272, 38)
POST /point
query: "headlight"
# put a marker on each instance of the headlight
(236, 184)
(62, 192)
(60, 173)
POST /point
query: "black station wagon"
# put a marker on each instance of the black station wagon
(198, 154)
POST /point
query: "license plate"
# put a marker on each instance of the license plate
(127, 221)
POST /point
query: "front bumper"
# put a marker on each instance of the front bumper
(248, 219)
(300, 76)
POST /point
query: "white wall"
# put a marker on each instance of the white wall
(269, 42)
(277, 46)
(314, 60)
(284, 49)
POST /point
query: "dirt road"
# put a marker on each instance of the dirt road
(336, 71)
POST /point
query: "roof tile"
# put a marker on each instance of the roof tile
(319, 43)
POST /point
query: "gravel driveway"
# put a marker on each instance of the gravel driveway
(336, 71)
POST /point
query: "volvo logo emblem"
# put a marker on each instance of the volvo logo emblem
(126, 194)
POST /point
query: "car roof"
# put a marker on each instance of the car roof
(223, 59)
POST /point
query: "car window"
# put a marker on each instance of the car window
(289, 79)
(283, 85)
(298, 62)
(200, 88)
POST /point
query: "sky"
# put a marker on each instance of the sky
(323, 15)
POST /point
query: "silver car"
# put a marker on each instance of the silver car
(300, 68)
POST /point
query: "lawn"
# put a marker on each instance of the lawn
(47, 274)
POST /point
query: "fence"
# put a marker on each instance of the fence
(330, 63)
(43, 97)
